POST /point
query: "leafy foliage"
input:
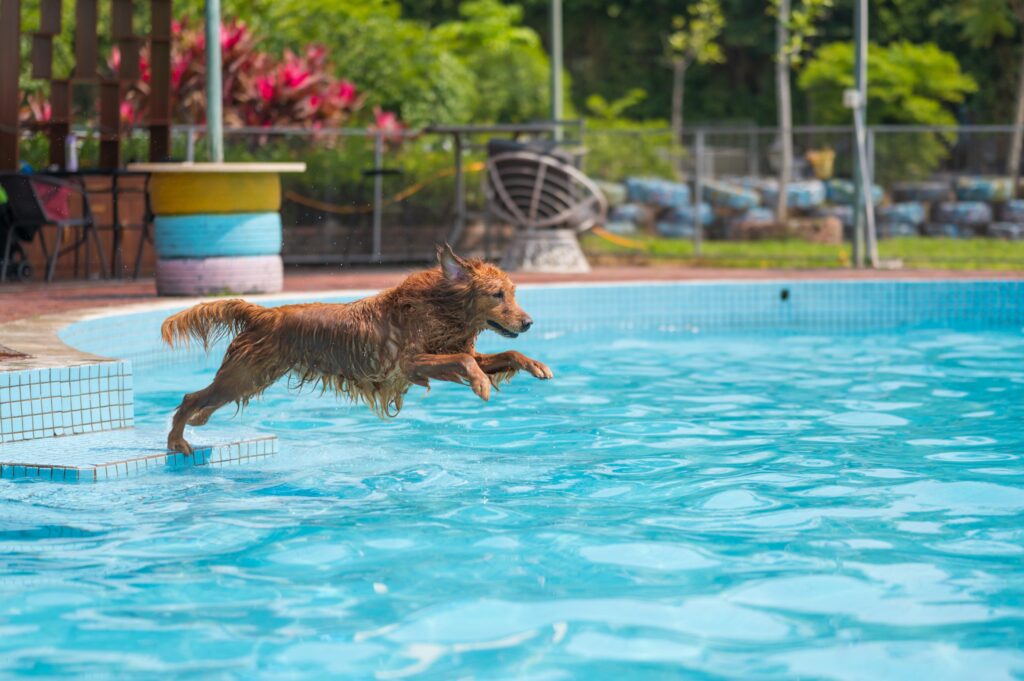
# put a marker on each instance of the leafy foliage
(910, 83)
(694, 38)
(618, 147)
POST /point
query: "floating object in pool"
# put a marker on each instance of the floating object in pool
(371, 351)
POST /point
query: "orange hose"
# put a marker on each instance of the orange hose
(368, 208)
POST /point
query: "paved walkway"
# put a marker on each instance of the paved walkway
(19, 301)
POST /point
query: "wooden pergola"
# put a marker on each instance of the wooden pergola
(111, 89)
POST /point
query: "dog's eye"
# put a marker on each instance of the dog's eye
(500, 295)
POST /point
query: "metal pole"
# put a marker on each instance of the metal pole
(378, 193)
(214, 90)
(698, 190)
(460, 194)
(556, 65)
(860, 32)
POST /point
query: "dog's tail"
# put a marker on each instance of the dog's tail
(210, 322)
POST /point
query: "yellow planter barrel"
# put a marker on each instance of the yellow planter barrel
(197, 193)
(190, 200)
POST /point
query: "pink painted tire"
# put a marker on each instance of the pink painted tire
(219, 276)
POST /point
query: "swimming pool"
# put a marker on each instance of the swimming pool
(751, 481)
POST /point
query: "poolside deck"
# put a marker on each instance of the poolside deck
(20, 301)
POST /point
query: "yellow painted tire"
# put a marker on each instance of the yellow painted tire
(192, 193)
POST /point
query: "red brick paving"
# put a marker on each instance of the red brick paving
(19, 301)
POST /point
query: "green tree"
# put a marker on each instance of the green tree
(981, 22)
(694, 39)
(794, 26)
(909, 83)
(507, 60)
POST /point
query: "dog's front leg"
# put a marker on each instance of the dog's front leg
(512, 361)
(459, 368)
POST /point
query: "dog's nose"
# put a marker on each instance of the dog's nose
(527, 323)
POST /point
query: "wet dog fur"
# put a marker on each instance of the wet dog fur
(371, 350)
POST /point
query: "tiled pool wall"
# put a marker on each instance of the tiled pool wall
(764, 307)
(50, 402)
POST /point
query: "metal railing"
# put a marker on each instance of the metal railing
(347, 210)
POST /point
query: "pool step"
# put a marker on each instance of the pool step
(120, 453)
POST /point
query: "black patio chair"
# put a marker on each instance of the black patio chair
(37, 200)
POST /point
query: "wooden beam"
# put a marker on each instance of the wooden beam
(49, 17)
(110, 124)
(160, 80)
(121, 20)
(10, 67)
(85, 39)
(128, 72)
(60, 121)
(42, 56)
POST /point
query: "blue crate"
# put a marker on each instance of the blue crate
(907, 213)
(624, 219)
(841, 191)
(1013, 231)
(804, 194)
(733, 196)
(656, 191)
(992, 189)
(679, 223)
(1012, 211)
(928, 192)
(965, 213)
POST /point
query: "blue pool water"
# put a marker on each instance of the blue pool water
(678, 502)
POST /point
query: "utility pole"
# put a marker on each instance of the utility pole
(214, 89)
(556, 66)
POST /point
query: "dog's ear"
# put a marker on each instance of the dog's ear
(453, 267)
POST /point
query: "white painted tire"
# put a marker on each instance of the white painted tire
(219, 276)
(212, 235)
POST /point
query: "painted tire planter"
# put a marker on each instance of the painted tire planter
(217, 235)
(217, 227)
(224, 192)
(205, 276)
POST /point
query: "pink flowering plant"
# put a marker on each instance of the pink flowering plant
(260, 89)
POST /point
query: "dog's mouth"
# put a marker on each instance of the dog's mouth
(501, 329)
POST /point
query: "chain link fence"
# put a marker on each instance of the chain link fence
(375, 197)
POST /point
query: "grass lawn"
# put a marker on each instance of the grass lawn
(914, 252)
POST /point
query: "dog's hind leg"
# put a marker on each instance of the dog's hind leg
(236, 381)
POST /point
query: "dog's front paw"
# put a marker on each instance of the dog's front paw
(179, 445)
(481, 385)
(538, 369)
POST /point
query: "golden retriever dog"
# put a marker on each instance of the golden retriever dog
(371, 350)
